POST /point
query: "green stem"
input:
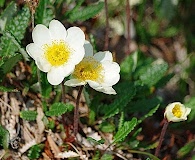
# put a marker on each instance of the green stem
(63, 92)
(145, 153)
(76, 111)
(166, 123)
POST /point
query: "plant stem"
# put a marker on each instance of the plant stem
(161, 137)
(128, 21)
(145, 153)
(107, 26)
(76, 111)
(63, 92)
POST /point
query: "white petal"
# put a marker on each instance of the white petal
(56, 75)
(106, 90)
(98, 87)
(75, 37)
(34, 51)
(111, 73)
(77, 55)
(187, 112)
(74, 83)
(93, 84)
(43, 64)
(103, 56)
(41, 35)
(88, 49)
(57, 30)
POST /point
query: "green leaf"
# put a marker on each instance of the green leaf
(128, 65)
(17, 28)
(28, 115)
(191, 104)
(58, 109)
(17, 45)
(4, 137)
(107, 127)
(190, 146)
(10, 63)
(5, 89)
(44, 12)
(150, 113)
(154, 73)
(144, 105)
(125, 130)
(86, 13)
(101, 141)
(107, 157)
(78, 4)
(2, 2)
(121, 120)
(123, 98)
(7, 15)
(35, 151)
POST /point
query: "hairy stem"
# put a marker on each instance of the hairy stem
(76, 111)
(107, 27)
(128, 21)
(63, 92)
(161, 137)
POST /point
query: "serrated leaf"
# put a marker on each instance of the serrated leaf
(144, 105)
(17, 46)
(58, 109)
(150, 113)
(153, 74)
(4, 136)
(16, 28)
(124, 97)
(121, 120)
(28, 115)
(7, 15)
(125, 130)
(34, 151)
(86, 13)
(190, 146)
(10, 63)
(44, 12)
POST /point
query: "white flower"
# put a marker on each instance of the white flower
(176, 112)
(98, 70)
(56, 50)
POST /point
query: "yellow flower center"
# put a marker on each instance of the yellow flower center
(57, 53)
(177, 111)
(88, 69)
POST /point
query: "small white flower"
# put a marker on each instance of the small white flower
(56, 50)
(176, 112)
(98, 70)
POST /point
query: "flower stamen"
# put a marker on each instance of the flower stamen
(57, 53)
(88, 69)
(177, 111)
